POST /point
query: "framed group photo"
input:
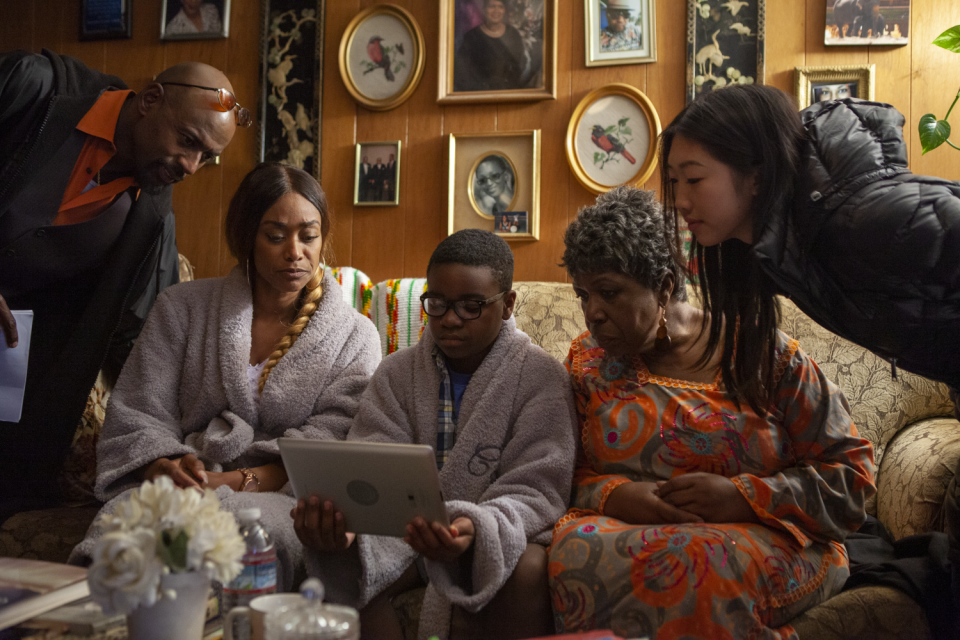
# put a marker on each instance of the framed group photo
(620, 32)
(821, 84)
(497, 50)
(494, 183)
(377, 174)
(194, 19)
(867, 22)
(725, 44)
(612, 138)
(382, 56)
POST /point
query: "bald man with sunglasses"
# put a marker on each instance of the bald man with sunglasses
(87, 232)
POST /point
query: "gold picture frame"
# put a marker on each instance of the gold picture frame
(617, 146)
(375, 186)
(518, 220)
(852, 80)
(536, 23)
(387, 60)
(645, 23)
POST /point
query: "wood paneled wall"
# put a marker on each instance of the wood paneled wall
(397, 241)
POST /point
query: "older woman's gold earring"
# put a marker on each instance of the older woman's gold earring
(662, 343)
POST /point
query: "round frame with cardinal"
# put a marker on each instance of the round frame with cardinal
(382, 56)
(612, 138)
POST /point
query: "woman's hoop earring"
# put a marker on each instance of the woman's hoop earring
(662, 343)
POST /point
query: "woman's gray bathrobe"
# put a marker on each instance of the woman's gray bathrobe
(510, 470)
(185, 389)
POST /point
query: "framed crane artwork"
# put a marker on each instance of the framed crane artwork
(612, 138)
(291, 83)
(725, 40)
(382, 56)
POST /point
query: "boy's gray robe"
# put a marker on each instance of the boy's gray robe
(509, 472)
(185, 389)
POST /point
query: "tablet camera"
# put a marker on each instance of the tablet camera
(362, 492)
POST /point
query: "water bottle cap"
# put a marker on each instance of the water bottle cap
(312, 589)
(248, 515)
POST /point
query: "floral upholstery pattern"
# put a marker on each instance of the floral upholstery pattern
(47, 534)
(912, 483)
(550, 314)
(880, 405)
(868, 613)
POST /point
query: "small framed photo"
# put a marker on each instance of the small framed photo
(612, 138)
(512, 222)
(377, 176)
(620, 32)
(820, 84)
(105, 19)
(497, 50)
(865, 22)
(382, 56)
(725, 44)
(494, 183)
(194, 19)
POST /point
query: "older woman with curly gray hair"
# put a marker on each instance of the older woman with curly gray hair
(692, 515)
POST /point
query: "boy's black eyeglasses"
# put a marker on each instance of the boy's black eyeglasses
(228, 102)
(465, 309)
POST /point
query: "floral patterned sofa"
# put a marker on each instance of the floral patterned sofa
(907, 419)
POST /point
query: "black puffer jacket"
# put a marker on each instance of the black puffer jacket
(872, 252)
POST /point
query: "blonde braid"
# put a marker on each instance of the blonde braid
(312, 292)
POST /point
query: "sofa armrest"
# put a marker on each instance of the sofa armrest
(913, 476)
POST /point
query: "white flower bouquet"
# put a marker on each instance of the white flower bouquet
(161, 529)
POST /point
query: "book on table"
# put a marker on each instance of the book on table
(29, 588)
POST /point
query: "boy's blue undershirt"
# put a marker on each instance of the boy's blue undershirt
(460, 382)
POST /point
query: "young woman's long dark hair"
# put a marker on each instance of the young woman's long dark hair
(755, 130)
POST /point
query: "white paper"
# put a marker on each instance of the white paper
(13, 368)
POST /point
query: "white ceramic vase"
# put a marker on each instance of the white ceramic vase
(180, 618)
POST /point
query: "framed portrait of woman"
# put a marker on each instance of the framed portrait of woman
(620, 32)
(497, 50)
(194, 19)
(612, 138)
(820, 84)
(494, 183)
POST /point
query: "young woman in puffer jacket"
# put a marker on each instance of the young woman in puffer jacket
(818, 206)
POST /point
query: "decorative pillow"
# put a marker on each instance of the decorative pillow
(357, 288)
(550, 314)
(396, 311)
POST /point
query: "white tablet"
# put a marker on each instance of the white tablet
(378, 487)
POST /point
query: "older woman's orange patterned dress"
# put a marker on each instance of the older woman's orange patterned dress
(802, 468)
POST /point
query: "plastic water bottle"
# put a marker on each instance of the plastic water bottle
(259, 575)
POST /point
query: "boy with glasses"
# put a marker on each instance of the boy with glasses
(498, 411)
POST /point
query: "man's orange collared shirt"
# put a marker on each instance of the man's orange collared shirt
(99, 124)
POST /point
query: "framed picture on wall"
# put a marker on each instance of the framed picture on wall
(725, 44)
(820, 84)
(377, 175)
(194, 19)
(863, 22)
(497, 50)
(105, 19)
(382, 56)
(612, 138)
(620, 32)
(291, 83)
(494, 183)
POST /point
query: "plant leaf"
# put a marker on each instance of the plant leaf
(933, 132)
(622, 121)
(610, 129)
(949, 39)
(626, 131)
(173, 551)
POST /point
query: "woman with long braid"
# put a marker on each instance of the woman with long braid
(225, 366)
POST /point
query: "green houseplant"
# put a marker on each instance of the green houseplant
(934, 132)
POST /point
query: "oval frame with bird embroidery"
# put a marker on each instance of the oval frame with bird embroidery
(611, 108)
(357, 60)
